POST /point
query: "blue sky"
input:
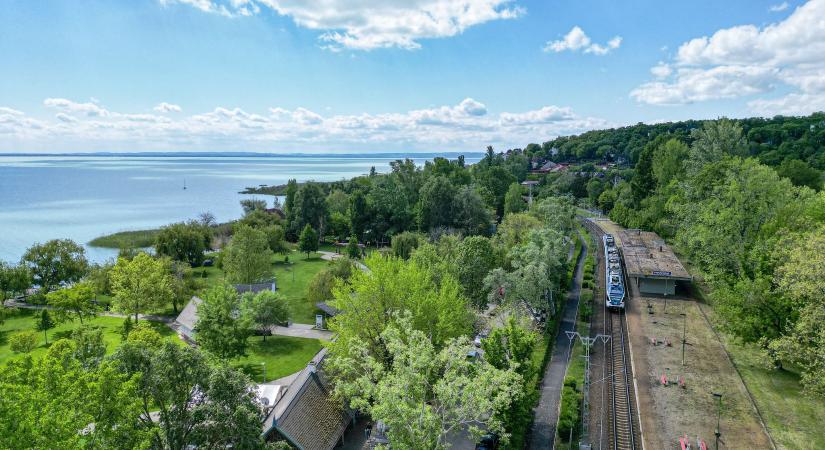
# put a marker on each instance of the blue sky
(412, 75)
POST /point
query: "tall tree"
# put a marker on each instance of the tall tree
(45, 323)
(308, 241)
(222, 327)
(141, 285)
(77, 300)
(435, 204)
(310, 208)
(247, 259)
(55, 262)
(359, 213)
(266, 309)
(196, 404)
(47, 400)
(13, 279)
(427, 392)
(472, 217)
(184, 242)
(476, 258)
(252, 204)
(513, 201)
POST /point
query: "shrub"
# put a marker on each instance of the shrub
(23, 342)
(569, 413)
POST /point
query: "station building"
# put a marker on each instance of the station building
(650, 264)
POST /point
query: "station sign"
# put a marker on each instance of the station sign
(662, 273)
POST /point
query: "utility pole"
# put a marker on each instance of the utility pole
(718, 433)
(587, 342)
(684, 335)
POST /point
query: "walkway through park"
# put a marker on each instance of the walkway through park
(546, 414)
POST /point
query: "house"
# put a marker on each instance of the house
(306, 415)
(188, 317)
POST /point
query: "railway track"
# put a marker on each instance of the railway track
(618, 421)
(622, 430)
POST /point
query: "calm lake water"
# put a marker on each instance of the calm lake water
(84, 197)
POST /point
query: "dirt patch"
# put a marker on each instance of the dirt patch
(691, 410)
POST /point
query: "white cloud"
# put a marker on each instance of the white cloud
(577, 39)
(465, 125)
(780, 7)
(363, 25)
(89, 109)
(661, 70)
(747, 60)
(164, 107)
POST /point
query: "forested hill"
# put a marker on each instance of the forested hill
(771, 140)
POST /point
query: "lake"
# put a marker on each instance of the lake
(83, 197)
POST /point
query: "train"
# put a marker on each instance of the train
(614, 288)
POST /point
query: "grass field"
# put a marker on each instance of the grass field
(25, 320)
(282, 356)
(292, 279)
(793, 417)
(126, 239)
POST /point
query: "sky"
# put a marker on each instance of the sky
(360, 76)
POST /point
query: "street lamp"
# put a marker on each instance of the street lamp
(684, 335)
(263, 364)
(718, 418)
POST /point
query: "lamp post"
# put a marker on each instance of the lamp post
(263, 364)
(684, 335)
(718, 418)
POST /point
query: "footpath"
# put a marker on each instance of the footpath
(546, 414)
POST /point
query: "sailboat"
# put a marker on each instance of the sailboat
(184, 184)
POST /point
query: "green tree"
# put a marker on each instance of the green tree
(145, 335)
(56, 262)
(308, 242)
(338, 202)
(322, 283)
(89, 346)
(427, 392)
(277, 239)
(265, 309)
(247, 259)
(515, 228)
(141, 285)
(715, 140)
(13, 279)
(310, 208)
(403, 244)
(476, 258)
(125, 328)
(513, 201)
(23, 341)
(435, 204)
(252, 204)
(98, 278)
(289, 208)
(800, 173)
(391, 286)
(77, 300)
(184, 242)
(47, 400)
(359, 213)
(339, 225)
(668, 161)
(45, 323)
(196, 404)
(222, 329)
(353, 250)
(472, 217)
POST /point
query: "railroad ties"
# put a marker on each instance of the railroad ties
(622, 433)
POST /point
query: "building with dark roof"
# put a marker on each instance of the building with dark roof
(307, 416)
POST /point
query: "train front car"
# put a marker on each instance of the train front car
(613, 279)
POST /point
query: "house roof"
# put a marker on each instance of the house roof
(306, 414)
(328, 309)
(189, 315)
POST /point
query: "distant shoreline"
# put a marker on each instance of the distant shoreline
(247, 154)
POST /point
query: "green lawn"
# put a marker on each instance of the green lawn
(292, 279)
(793, 417)
(126, 239)
(25, 320)
(282, 356)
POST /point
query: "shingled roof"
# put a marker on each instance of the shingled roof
(188, 317)
(307, 415)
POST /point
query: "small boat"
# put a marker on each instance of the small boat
(184, 184)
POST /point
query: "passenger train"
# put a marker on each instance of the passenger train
(613, 278)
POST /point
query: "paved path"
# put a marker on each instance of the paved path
(302, 330)
(329, 256)
(546, 414)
